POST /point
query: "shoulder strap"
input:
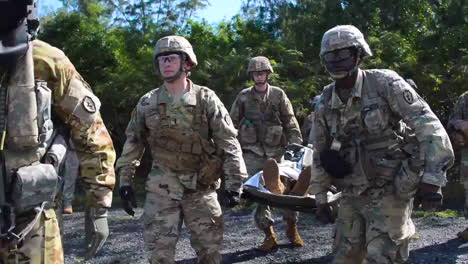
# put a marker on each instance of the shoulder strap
(200, 111)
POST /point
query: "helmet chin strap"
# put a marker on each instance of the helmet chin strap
(260, 83)
(344, 74)
(174, 77)
(178, 74)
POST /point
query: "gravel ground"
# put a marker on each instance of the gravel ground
(436, 242)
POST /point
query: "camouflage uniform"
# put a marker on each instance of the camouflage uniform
(387, 133)
(93, 144)
(183, 134)
(266, 124)
(459, 117)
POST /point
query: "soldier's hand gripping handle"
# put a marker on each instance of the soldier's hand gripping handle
(229, 199)
(128, 199)
(96, 229)
(430, 196)
(325, 213)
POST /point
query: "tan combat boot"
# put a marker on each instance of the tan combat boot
(463, 235)
(303, 182)
(68, 210)
(293, 235)
(270, 243)
(272, 177)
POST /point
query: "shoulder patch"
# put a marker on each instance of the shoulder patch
(408, 96)
(89, 105)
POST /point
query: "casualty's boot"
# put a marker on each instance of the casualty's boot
(293, 235)
(302, 184)
(271, 242)
(463, 235)
(272, 177)
(68, 210)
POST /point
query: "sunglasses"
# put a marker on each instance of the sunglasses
(173, 58)
(336, 55)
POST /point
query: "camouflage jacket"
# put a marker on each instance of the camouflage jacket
(79, 109)
(266, 123)
(306, 127)
(146, 122)
(373, 131)
(459, 116)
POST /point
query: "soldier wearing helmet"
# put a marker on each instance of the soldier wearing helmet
(458, 131)
(307, 125)
(265, 119)
(192, 142)
(378, 139)
(33, 77)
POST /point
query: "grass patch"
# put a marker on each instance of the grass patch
(443, 214)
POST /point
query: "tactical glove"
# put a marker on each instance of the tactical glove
(334, 164)
(325, 213)
(229, 199)
(430, 196)
(128, 199)
(96, 230)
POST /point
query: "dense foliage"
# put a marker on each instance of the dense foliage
(111, 44)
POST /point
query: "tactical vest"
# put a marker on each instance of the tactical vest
(29, 134)
(260, 127)
(184, 148)
(376, 143)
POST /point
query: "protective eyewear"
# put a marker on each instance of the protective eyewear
(173, 58)
(337, 55)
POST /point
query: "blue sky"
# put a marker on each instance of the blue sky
(217, 11)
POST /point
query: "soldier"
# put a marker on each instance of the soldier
(265, 119)
(458, 131)
(192, 141)
(71, 171)
(379, 139)
(33, 77)
(306, 127)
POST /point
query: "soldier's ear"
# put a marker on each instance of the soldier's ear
(188, 65)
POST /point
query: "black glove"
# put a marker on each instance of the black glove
(325, 213)
(229, 199)
(430, 196)
(128, 199)
(294, 147)
(334, 164)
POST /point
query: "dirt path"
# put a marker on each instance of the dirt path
(436, 242)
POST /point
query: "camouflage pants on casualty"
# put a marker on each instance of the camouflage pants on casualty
(41, 246)
(373, 228)
(201, 213)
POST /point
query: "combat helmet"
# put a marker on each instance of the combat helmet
(344, 36)
(175, 44)
(18, 26)
(259, 63)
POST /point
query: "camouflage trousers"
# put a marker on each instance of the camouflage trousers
(41, 246)
(264, 216)
(199, 211)
(264, 213)
(71, 171)
(372, 229)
